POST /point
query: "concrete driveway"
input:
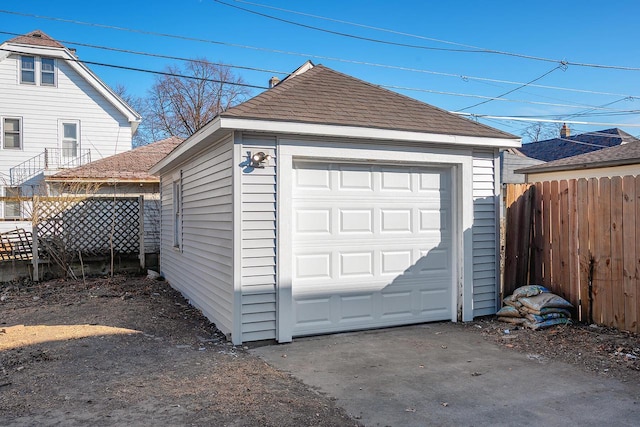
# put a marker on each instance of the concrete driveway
(443, 374)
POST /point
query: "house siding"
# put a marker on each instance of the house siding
(203, 269)
(103, 129)
(258, 242)
(485, 233)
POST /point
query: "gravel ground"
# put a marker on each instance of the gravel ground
(131, 351)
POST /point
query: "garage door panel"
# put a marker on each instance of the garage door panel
(371, 246)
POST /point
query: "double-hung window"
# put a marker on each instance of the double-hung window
(69, 139)
(36, 70)
(47, 72)
(28, 69)
(11, 133)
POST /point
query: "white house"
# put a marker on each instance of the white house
(55, 113)
(329, 204)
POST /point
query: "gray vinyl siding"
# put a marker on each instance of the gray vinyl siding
(485, 234)
(203, 269)
(258, 263)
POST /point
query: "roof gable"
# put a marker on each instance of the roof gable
(39, 43)
(559, 148)
(36, 38)
(132, 165)
(321, 95)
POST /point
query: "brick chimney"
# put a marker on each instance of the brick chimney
(565, 132)
(273, 81)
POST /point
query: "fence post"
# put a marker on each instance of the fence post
(141, 230)
(34, 243)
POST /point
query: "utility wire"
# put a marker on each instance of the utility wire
(143, 70)
(473, 50)
(306, 55)
(515, 89)
(522, 119)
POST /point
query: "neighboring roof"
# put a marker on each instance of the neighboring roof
(36, 38)
(324, 96)
(38, 43)
(620, 155)
(131, 165)
(559, 148)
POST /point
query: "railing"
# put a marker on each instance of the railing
(50, 159)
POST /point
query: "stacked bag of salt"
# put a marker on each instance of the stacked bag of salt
(535, 307)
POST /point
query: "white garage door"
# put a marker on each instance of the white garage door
(371, 246)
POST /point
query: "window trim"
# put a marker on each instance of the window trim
(33, 70)
(61, 138)
(18, 203)
(53, 72)
(2, 133)
(37, 71)
(177, 202)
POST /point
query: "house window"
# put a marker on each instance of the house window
(69, 139)
(11, 133)
(28, 69)
(12, 208)
(36, 70)
(177, 212)
(47, 72)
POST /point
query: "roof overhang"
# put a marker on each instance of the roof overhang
(221, 126)
(65, 54)
(54, 179)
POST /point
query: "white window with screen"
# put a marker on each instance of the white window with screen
(11, 133)
(12, 208)
(28, 69)
(70, 138)
(47, 72)
(38, 71)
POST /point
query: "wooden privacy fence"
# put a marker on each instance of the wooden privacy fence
(581, 239)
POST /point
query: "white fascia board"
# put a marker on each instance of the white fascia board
(188, 147)
(76, 64)
(364, 132)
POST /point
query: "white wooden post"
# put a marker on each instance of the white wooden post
(141, 230)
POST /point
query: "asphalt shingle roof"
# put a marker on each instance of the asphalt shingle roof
(321, 95)
(618, 155)
(36, 38)
(131, 165)
(559, 148)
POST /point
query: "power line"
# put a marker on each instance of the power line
(143, 70)
(515, 89)
(305, 55)
(523, 119)
(487, 98)
(473, 50)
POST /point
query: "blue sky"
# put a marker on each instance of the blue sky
(587, 31)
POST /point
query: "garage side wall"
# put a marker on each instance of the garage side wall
(201, 267)
(485, 233)
(258, 251)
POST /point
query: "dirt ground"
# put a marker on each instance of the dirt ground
(131, 351)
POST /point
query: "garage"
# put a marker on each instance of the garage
(371, 246)
(328, 204)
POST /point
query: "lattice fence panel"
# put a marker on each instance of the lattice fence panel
(90, 225)
(15, 244)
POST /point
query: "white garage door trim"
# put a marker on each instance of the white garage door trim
(462, 204)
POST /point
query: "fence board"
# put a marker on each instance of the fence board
(572, 258)
(563, 281)
(546, 230)
(637, 263)
(615, 298)
(536, 261)
(629, 257)
(584, 256)
(594, 235)
(555, 236)
(602, 272)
